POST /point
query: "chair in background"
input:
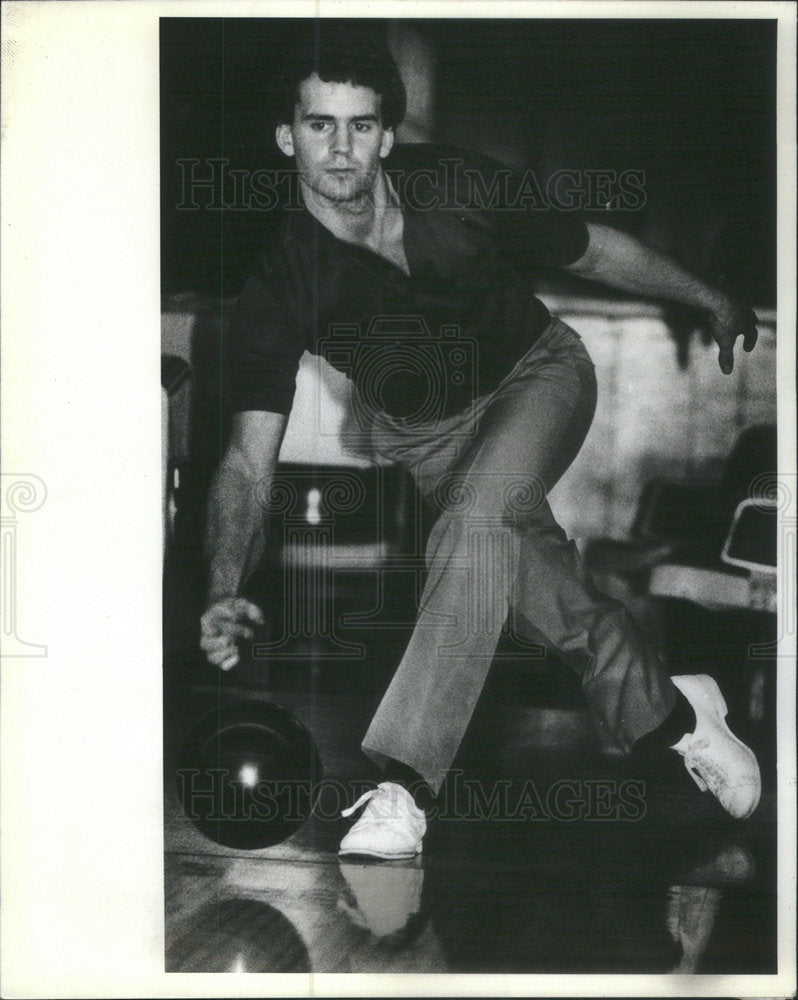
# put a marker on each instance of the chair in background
(709, 555)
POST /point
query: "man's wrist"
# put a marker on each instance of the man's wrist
(221, 587)
(217, 596)
(716, 302)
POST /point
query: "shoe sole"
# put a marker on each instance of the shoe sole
(383, 856)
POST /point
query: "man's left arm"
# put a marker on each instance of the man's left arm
(622, 261)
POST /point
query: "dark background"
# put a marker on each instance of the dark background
(692, 103)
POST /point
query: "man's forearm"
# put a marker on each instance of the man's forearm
(623, 262)
(235, 531)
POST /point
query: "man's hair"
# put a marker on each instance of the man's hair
(363, 63)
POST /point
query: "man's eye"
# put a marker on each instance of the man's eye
(318, 126)
(363, 126)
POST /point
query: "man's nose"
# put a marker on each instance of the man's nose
(342, 141)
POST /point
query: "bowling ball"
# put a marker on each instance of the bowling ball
(247, 774)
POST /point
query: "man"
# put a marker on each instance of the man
(486, 447)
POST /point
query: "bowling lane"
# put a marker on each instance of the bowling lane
(263, 915)
(487, 897)
(517, 876)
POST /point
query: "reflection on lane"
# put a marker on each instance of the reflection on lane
(602, 898)
(693, 907)
(386, 900)
(348, 916)
(236, 935)
(489, 896)
(383, 899)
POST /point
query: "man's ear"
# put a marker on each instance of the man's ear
(285, 139)
(387, 142)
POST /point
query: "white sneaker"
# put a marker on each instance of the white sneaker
(391, 825)
(713, 756)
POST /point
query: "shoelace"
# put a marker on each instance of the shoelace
(692, 764)
(365, 797)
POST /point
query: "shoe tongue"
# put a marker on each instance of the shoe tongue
(393, 789)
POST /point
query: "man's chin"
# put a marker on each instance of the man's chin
(340, 191)
(343, 195)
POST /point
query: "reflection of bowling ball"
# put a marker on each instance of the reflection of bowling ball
(247, 774)
(236, 935)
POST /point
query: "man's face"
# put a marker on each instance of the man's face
(337, 138)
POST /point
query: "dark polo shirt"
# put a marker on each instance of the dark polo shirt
(423, 345)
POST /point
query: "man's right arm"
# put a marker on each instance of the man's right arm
(235, 530)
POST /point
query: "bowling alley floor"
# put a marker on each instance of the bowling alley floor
(548, 856)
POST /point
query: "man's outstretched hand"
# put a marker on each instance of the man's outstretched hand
(727, 322)
(223, 624)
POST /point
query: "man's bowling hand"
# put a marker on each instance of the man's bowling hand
(727, 322)
(223, 624)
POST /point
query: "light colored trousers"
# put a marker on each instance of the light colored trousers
(497, 551)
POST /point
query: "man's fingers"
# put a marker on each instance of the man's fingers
(221, 627)
(729, 323)
(222, 655)
(230, 630)
(247, 609)
(751, 334)
(222, 618)
(222, 613)
(231, 610)
(241, 631)
(230, 662)
(725, 342)
(217, 649)
(726, 360)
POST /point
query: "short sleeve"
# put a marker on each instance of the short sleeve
(548, 236)
(513, 207)
(264, 347)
